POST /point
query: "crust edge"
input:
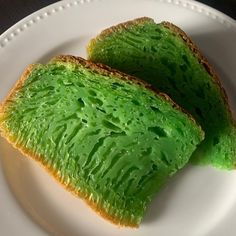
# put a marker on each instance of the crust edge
(189, 42)
(100, 68)
(204, 62)
(29, 154)
(106, 70)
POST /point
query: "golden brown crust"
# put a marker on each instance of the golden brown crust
(125, 25)
(16, 87)
(116, 28)
(101, 69)
(203, 61)
(189, 42)
(26, 152)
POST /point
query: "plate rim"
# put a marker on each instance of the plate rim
(29, 21)
(18, 28)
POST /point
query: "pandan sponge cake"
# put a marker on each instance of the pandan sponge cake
(106, 136)
(166, 57)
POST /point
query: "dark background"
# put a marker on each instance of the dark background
(11, 11)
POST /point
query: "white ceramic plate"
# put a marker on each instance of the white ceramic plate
(199, 201)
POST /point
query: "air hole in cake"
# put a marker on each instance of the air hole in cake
(154, 167)
(117, 134)
(110, 125)
(153, 49)
(135, 102)
(100, 109)
(92, 93)
(129, 122)
(96, 101)
(147, 152)
(117, 85)
(158, 131)
(84, 121)
(81, 102)
(155, 109)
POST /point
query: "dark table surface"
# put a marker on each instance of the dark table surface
(14, 10)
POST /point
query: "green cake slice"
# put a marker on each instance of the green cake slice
(163, 55)
(106, 136)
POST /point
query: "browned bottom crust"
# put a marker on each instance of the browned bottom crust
(99, 210)
(26, 152)
(104, 70)
(11, 139)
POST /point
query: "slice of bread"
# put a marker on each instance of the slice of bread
(166, 57)
(106, 136)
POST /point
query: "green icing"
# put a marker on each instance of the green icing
(111, 139)
(154, 53)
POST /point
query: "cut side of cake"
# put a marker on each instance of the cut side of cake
(163, 55)
(108, 137)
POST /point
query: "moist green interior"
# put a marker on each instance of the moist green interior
(110, 139)
(154, 53)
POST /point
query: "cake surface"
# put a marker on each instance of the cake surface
(163, 55)
(107, 137)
